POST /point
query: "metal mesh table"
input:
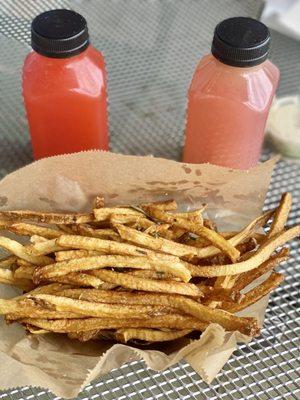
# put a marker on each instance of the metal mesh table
(151, 50)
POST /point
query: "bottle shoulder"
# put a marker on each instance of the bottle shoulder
(254, 86)
(84, 73)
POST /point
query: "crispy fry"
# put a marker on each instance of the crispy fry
(76, 279)
(257, 293)
(206, 314)
(149, 335)
(156, 243)
(281, 214)
(26, 229)
(260, 256)
(158, 230)
(148, 285)
(239, 237)
(80, 279)
(166, 205)
(216, 239)
(144, 298)
(193, 216)
(87, 243)
(144, 273)
(99, 309)
(174, 267)
(36, 239)
(18, 250)
(8, 262)
(48, 217)
(87, 324)
(96, 233)
(104, 213)
(26, 307)
(246, 278)
(65, 255)
(137, 221)
(220, 293)
(43, 248)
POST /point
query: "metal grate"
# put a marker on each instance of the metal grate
(151, 49)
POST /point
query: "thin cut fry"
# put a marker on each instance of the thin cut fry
(73, 254)
(26, 229)
(246, 278)
(143, 298)
(18, 250)
(239, 237)
(156, 243)
(166, 205)
(260, 256)
(137, 221)
(87, 324)
(149, 335)
(96, 233)
(148, 285)
(99, 309)
(109, 246)
(144, 273)
(43, 248)
(257, 293)
(48, 217)
(281, 214)
(216, 239)
(102, 214)
(174, 267)
(36, 239)
(27, 307)
(76, 279)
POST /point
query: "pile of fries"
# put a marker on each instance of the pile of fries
(143, 273)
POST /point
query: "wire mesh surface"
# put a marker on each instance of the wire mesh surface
(151, 50)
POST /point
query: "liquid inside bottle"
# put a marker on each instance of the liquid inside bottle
(230, 97)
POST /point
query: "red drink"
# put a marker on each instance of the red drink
(64, 88)
(228, 104)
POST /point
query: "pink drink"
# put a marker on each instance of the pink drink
(227, 112)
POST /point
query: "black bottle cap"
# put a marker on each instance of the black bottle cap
(241, 42)
(59, 33)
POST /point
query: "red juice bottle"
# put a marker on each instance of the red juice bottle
(230, 96)
(64, 86)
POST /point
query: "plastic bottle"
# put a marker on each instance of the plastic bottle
(230, 96)
(64, 86)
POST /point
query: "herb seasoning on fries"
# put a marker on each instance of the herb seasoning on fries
(145, 273)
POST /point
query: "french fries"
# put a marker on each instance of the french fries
(46, 217)
(174, 267)
(149, 335)
(145, 273)
(198, 229)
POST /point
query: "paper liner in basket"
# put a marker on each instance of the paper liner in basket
(70, 183)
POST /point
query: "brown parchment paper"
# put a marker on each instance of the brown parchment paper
(69, 183)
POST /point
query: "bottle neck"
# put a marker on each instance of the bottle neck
(241, 69)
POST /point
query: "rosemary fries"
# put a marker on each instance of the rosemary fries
(141, 274)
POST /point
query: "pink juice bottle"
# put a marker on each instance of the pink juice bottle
(230, 96)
